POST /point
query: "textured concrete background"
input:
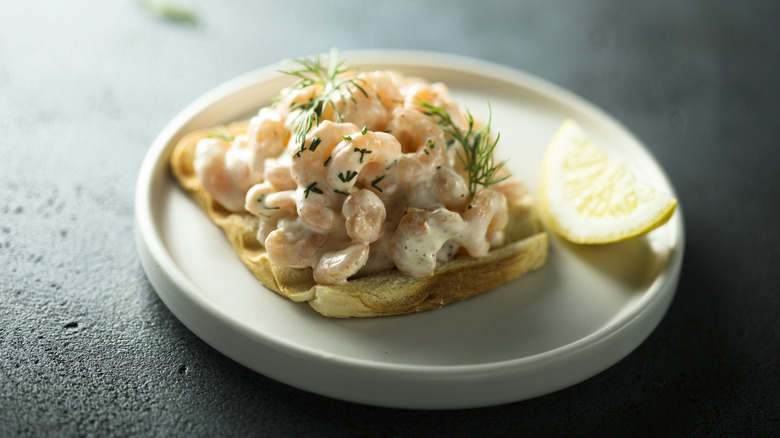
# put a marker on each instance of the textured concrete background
(87, 348)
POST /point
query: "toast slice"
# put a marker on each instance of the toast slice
(385, 293)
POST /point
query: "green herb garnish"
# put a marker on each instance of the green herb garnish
(311, 188)
(264, 205)
(314, 143)
(376, 181)
(223, 134)
(362, 153)
(477, 154)
(350, 174)
(328, 75)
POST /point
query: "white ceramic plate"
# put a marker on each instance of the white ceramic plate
(584, 311)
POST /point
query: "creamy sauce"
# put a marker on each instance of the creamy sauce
(376, 185)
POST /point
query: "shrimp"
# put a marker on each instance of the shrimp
(425, 236)
(334, 267)
(486, 213)
(369, 102)
(293, 244)
(419, 93)
(373, 183)
(365, 216)
(379, 258)
(264, 201)
(422, 195)
(245, 158)
(366, 157)
(277, 172)
(308, 163)
(265, 137)
(420, 236)
(237, 158)
(211, 168)
(313, 209)
(292, 96)
(451, 189)
(384, 83)
(435, 94)
(362, 108)
(265, 228)
(308, 168)
(446, 188)
(228, 169)
(422, 142)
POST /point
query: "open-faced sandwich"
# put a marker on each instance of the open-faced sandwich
(364, 194)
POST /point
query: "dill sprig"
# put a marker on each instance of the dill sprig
(329, 75)
(477, 151)
(222, 133)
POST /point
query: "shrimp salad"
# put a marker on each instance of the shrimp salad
(352, 173)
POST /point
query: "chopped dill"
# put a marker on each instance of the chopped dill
(376, 181)
(362, 153)
(349, 176)
(311, 188)
(222, 133)
(264, 205)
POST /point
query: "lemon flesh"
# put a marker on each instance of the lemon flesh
(588, 198)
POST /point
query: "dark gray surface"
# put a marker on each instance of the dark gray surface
(87, 348)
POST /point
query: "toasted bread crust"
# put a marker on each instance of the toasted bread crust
(384, 293)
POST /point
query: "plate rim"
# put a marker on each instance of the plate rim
(156, 264)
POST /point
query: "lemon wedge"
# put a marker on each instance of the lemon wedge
(586, 197)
